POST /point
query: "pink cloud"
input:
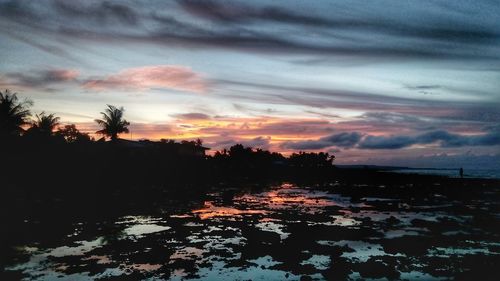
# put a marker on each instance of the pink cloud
(143, 78)
(62, 75)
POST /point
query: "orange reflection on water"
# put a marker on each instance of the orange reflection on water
(279, 198)
(211, 211)
(283, 198)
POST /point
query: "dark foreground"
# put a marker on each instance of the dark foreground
(383, 227)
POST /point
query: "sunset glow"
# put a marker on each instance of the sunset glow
(372, 86)
(250, 140)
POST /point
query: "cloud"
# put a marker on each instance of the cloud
(191, 116)
(100, 11)
(233, 12)
(257, 142)
(380, 119)
(383, 142)
(253, 110)
(265, 126)
(443, 138)
(370, 32)
(48, 48)
(148, 77)
(41, 78)
(322, 114)
(332, 98)
(238, 13)
(364, 141)
(345, 140)
(306, 145)
(154, 131)
(424, 89)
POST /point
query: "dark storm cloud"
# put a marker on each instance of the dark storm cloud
(254, 28)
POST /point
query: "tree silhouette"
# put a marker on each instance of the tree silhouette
(311, 159)
(13, 113)
(199, 142)
(71, 134)
(45, 123)
(112, 122)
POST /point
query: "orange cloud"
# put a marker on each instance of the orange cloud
(147, 77)
(221, 132)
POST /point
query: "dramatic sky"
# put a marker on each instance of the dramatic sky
(414, 83)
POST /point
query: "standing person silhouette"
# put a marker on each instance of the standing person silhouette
(461, 172)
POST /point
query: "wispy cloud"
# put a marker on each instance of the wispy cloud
(40, 78)
(191, 116)
(258, 28)
(442, 138)
(359, 140)
(329, 99)
(102, 12)
(149, 77)
(257, 142)
(286, 75)
(344, 140)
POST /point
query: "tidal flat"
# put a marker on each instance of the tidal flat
(273, 231)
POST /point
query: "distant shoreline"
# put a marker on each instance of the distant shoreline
(448, 172)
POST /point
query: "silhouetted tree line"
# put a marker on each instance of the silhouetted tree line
(37, 149)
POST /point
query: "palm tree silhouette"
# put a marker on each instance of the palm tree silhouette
(45, 123)
(13, 113)
(112, 122)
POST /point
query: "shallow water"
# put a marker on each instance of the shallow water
(282, 232)
(454, 173)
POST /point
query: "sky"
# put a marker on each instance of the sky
(410, 83)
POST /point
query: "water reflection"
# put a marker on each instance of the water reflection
(140, 230)
(282, 233)
(210, 211)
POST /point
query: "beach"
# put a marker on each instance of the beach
(375, 225)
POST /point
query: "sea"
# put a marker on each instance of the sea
(265, 232)
(454, 173)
